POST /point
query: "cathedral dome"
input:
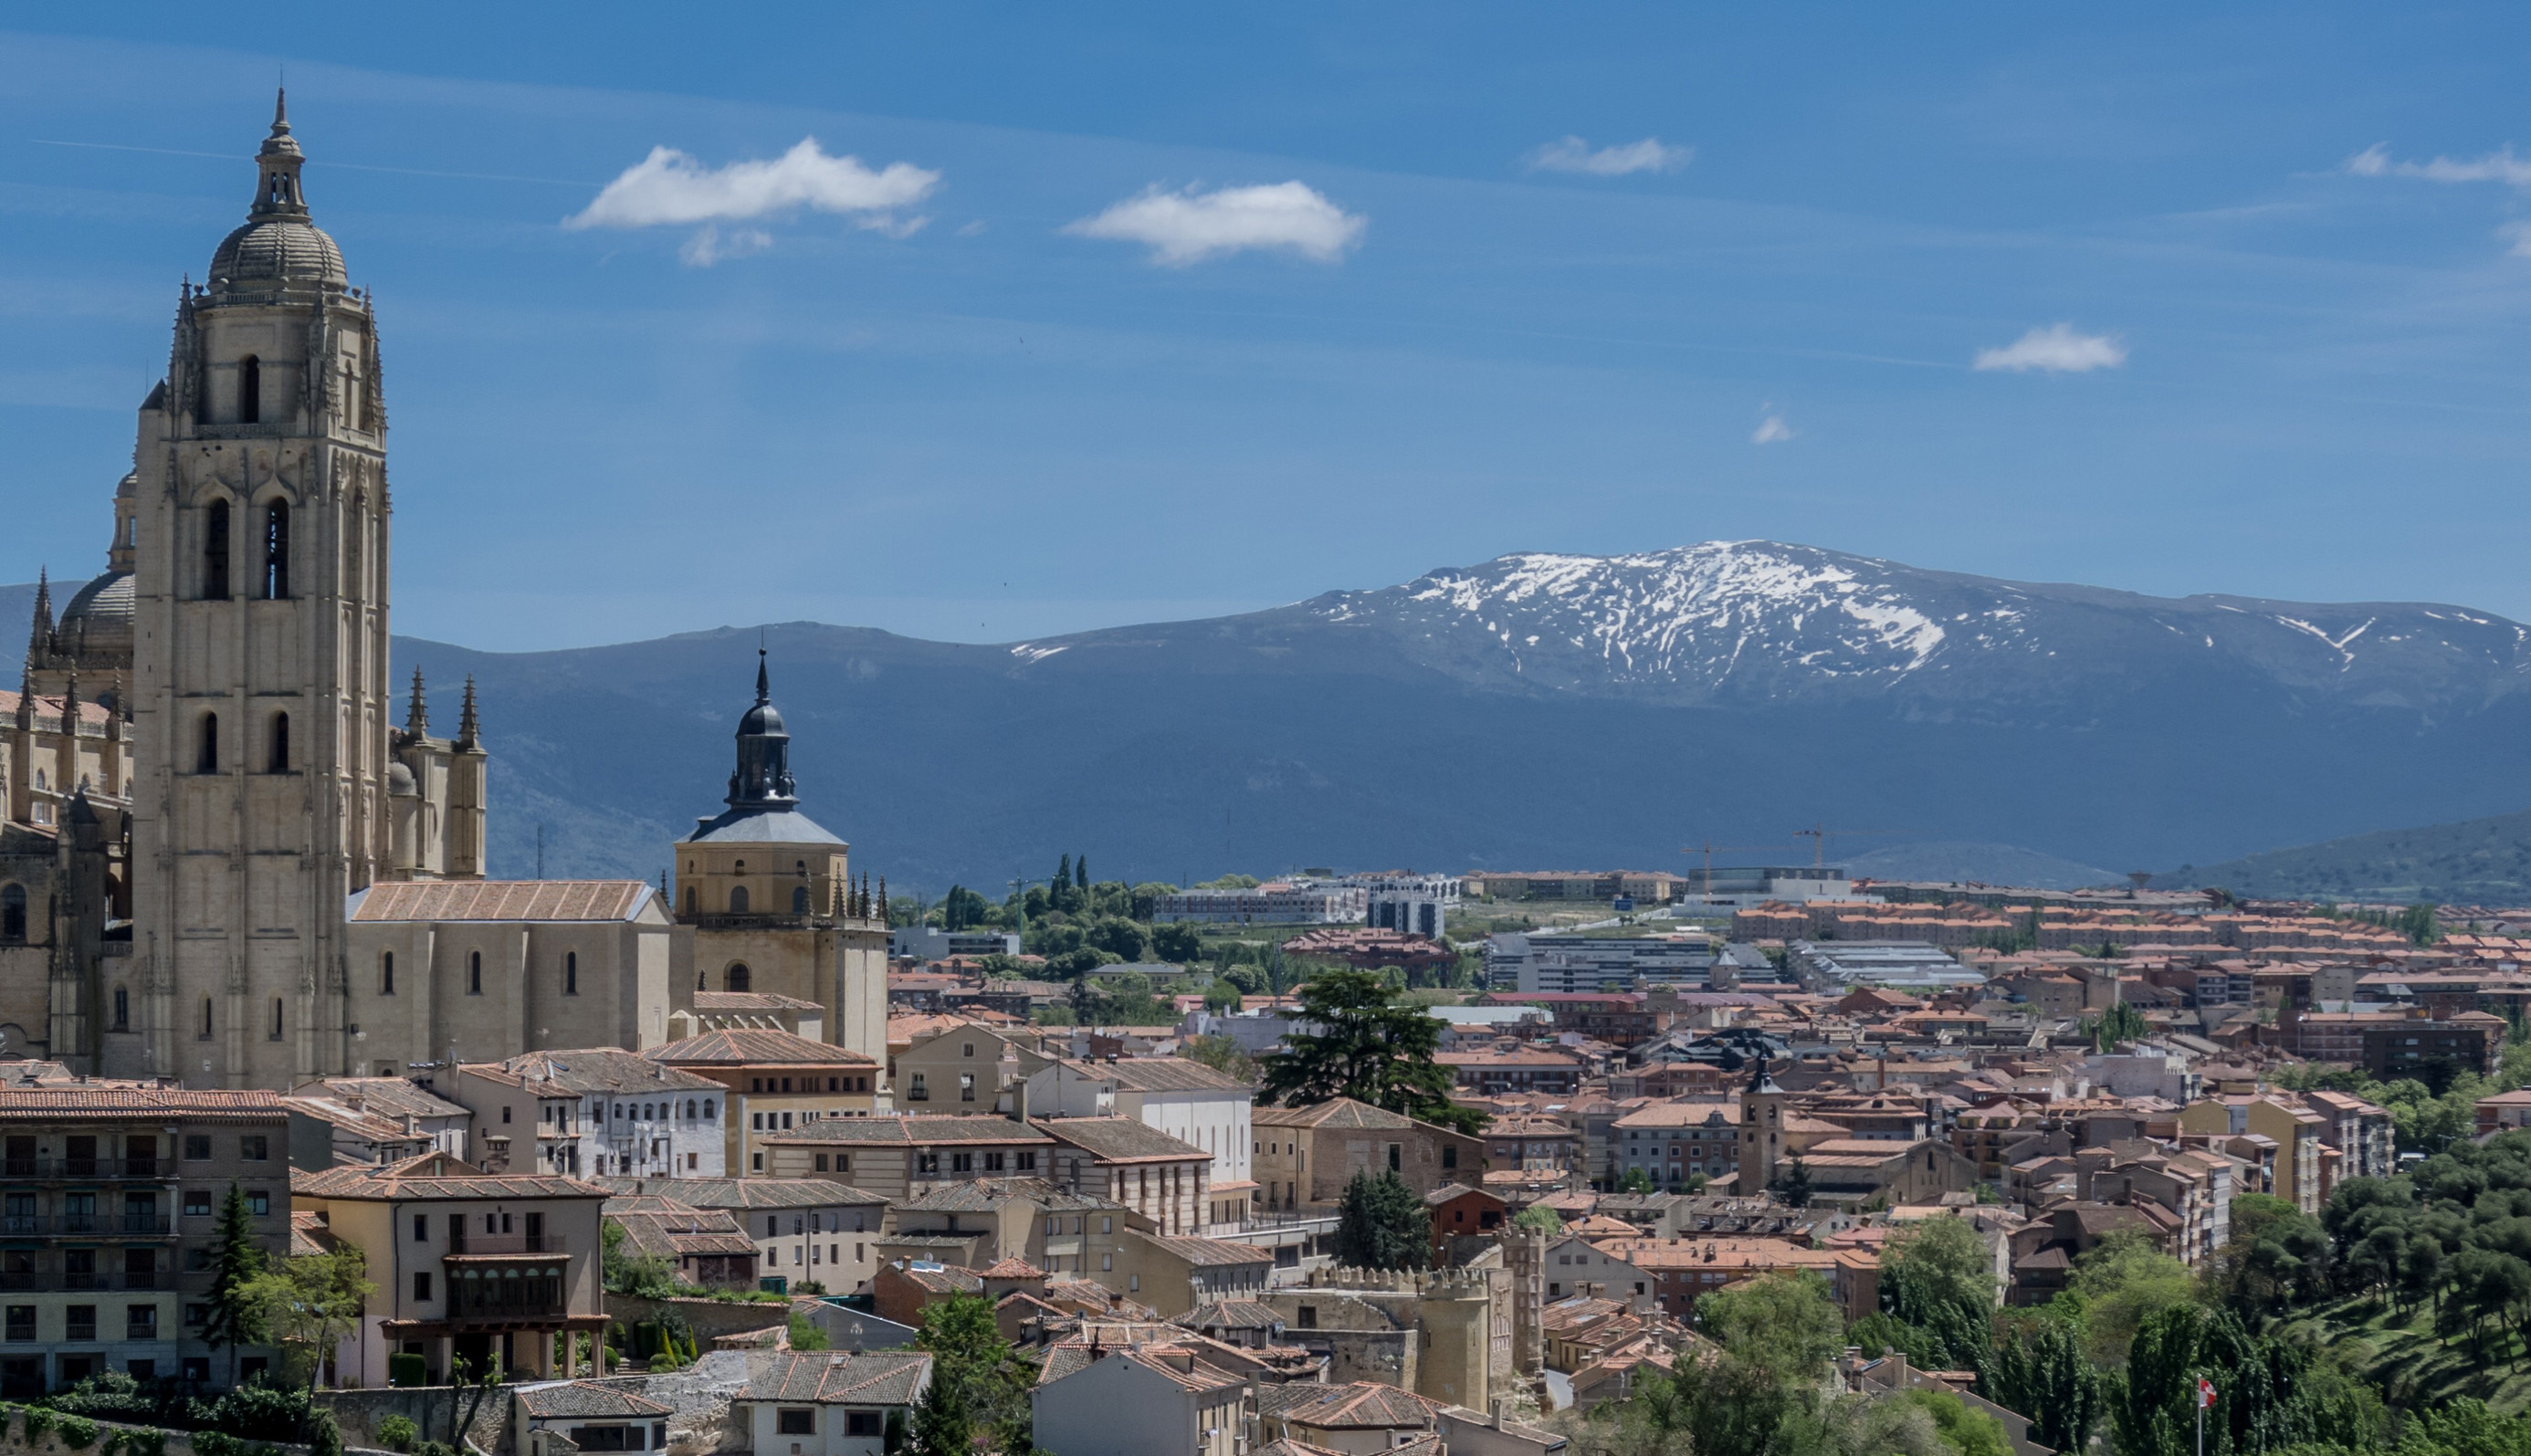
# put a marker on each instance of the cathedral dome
(764, 719)
(275, 250)
(98, 619)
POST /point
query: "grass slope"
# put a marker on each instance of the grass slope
(2416, 1368)
(2475, 862)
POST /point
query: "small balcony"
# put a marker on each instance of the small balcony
(85, 1167)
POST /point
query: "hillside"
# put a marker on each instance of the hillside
(1544, 710)
(2476, 861)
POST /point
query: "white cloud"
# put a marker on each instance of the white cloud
(2500, 165)
(711, 244)
(1772, 430)
(2521, 233)
(670, 187)
(2057, 349)
(1188, 227)
(1573, 155)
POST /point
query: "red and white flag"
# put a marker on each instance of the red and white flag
(2204, 1394)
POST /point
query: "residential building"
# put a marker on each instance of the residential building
(1175, 1274)
(1359, 1417)
(1515, 1067)
(1139, 1401)
(591, 1416)
(932, 943)
(1542, 961)
(1530, 1142)
(2360, 1131)
(830, 1403)
(400, 1099)
(1185, 1100)
(1305, 1155)
(1408, 903)
(1573, 1265)
(2502, 1112)
(987, 1220)
(109, 1198)
(1166, 1179)
(965, 1068)
(468, 1264)
(806, 1230)
(774, 1082)
(705, 1247)
(1679, 1272)
(1274, 902)
(903, 1156)
(1669, 1142)
(593, 1110)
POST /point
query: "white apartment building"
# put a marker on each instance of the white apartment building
(1274, 902)
(1185, 1100)
(591, 1112)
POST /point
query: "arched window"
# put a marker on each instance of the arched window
(739, 978)
(13, 914)
(799, 900)
(570, 973)
(206, 1018)
(690, 1109)
(474, 973)
(707, 1107)
(737, 900)
(276, 1019)
(689, 899)
(275, 584)
(386, 974)
(277, 746)
(249, 390)
(122, 1009)
(215, 553)
(40, 780)
(206, 745)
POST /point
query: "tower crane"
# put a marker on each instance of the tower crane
(1820, 834)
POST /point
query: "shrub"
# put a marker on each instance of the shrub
(257, 1413)
(40, 1421)
(407, 1370)
(324, 1436)
(144, 1443)
(79, 1433)
(217, 1443)
(435, 1448)
(396, 1433)
(114, 1396)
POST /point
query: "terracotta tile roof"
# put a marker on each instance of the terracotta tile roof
(744, 1192)
(738, 1001)
(1336, 1112)
(501, 900)
(53, 1100)
(867, 1377)
(1231, 1314)
(1357, 1406)
(655, 1225)
(991, 1195)
(756, 1046)
(910, 1131)
(593, 1069)
(309, 1235)
(393, 1097)
(1206, 1252)
(588, 1400)
(1119, 1140)
(435, 1175)
(1013, 1267)
(1159, 1073)
(1681, 1115)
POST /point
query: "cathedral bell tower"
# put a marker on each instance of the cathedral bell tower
(260, 696)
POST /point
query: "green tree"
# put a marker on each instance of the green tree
(977, 1386)
(1940, 1277)
(2122, 1022)
(807, 1334)
(2039, 1370)
(1119, 938)
(1222, 1056)
(1794, 1186)
(1178, 944)
(1967, 1431)
(645, 1277)
(2118, 1284)
(235, 1259)
(1368, 1048)
(310, 1305)
(1540, 1217)
(1786, 1326)
(1381, 1223)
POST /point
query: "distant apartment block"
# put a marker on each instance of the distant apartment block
(1642, 886)
(1537, 963)
(1407, 903)
(932, 943)
(1907, 965)
(1275, 903)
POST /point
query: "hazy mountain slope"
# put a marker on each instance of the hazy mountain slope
(2477, 861)
(1541, 711)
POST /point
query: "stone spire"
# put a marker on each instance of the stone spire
(469, 731)
(39, 637)
(276, 166)
(26, 698)
(70, 704)
(417, 717)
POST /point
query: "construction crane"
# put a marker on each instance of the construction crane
(1820, 834)
(1708, 847)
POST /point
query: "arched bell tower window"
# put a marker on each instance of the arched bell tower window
(691, 898)
(207, 747)
(799, 900)
(740, 978)
(249, 390)
(215, 552)
(737, 900)
(13, 914)
(276, 581)
(277, 748)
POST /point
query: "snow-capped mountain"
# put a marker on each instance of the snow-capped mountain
(1734, 620)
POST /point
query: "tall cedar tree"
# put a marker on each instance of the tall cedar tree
(235, 1317)
(1369, 1049)
(1794, 1186)
(978, 1388)
(1381, 1224)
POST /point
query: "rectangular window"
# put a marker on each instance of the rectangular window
(962, 1162)
(422, 1228)
(79, 1322)
(821, 1163)
(198, 1148)
(198, 1203)
(422, 1286)
(253, 1147)
(196, 1315)
(862, 1423)
(21, 1322)
(796, 1422)
(258, 1201)
(966, 1087)
(140, 1322)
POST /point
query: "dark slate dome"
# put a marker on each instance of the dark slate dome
(761, 720)
(98, 620)
(277, 251)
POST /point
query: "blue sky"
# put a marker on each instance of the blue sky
(2300, 377)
